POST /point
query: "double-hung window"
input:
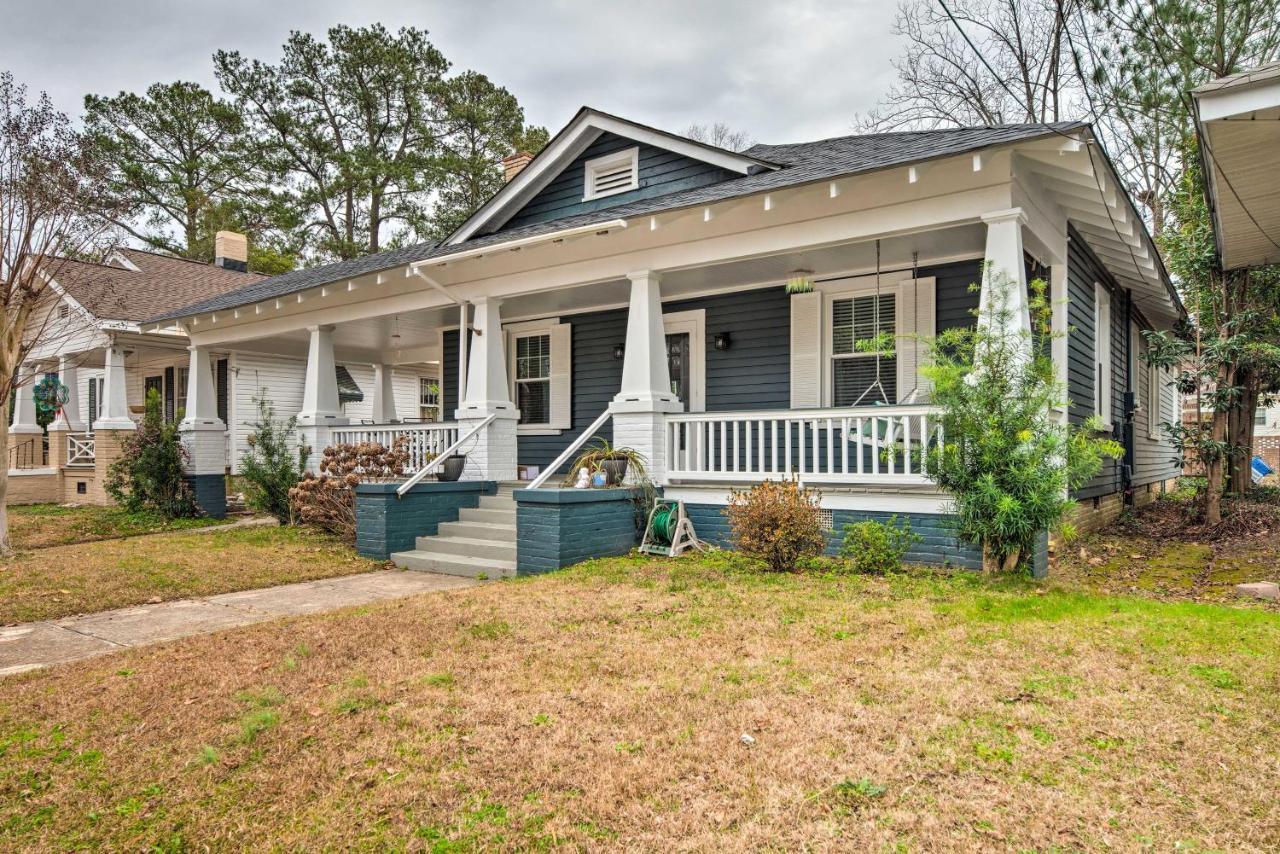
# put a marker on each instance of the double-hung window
(864, 365)
(1102, 353)
(180, 393)
(533, 378)
(428, 399)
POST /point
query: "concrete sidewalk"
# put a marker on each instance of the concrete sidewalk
(33, 645)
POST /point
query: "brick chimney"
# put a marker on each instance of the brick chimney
(512, 165)
(231, 251)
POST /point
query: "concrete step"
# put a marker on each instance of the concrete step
(470, 546)
(500, 517)
(498, 502)
(492, 531)
(454, 564)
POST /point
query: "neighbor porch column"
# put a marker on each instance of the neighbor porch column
(321, 409)
(68, 420)
(491, 454)
(384, 395)
(202, 434)
(24, 404)
(641, 404)
(1005, 267)
(115, 395)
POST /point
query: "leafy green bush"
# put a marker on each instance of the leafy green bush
(269, 468)
(1007, 459)
(777, 522)
(877, 547)
(149, 476)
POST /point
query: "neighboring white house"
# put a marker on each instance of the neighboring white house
(91, 334)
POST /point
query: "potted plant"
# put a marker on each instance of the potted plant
(614, 462)
(451, 468)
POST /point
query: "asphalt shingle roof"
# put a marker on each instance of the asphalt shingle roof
(801, 163)
(161, 283)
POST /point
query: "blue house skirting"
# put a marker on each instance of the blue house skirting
(561, 527)
(210, 492)
(387, 524)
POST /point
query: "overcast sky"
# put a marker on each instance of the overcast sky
(783, 71)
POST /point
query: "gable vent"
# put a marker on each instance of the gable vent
(613, 173)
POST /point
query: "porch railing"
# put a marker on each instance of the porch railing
(81, 449)
(32, 453)
(439, 459)
(426, 441)
(870, 444)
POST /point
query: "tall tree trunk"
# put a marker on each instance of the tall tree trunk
(6, 548)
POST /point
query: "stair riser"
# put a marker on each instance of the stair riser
(500, 517)
(487, 551)
(424, 563)
(478, 531)
(497, 502)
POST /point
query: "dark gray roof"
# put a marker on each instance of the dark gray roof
(802, 163)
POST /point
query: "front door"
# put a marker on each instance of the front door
(678, 366)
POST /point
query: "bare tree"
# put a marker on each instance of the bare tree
(943, 81)
(720, 135)
(52, 183)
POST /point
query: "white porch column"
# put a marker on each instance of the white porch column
(491, 454)
(640, 406)
(202, 435)
(384, 395)
(24, 405)
(115, 399)
(1006, 263)
(68, 420)
(321, 409)
(462, 352)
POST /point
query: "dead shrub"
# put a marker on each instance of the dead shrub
(328, 501)
(777, 522)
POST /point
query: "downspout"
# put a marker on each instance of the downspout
(462, 333)
(1130, 402)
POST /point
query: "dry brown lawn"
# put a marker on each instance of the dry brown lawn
(39, 526)
(59, 581)
(668, 705)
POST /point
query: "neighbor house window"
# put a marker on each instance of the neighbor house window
(612, 173)
(533, 378)
(862, 335)
(1260, 418)
(428, 399)
(1102, 353)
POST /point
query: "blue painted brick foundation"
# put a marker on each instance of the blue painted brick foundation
(561, 527)
(210, 492)
(386, 524)
(938, 546)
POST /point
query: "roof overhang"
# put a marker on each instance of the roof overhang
(571, 141)
(1238, 118)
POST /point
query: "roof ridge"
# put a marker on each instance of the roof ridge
(179, 258)
(958, 128)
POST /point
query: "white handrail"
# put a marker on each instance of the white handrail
(442, 456)
(571, 450)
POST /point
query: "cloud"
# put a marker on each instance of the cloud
(781, 71)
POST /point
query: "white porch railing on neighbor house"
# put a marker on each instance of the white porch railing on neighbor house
(869, 444)
(426, 441)
(81, 449)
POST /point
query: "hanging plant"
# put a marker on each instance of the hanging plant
(800, 282)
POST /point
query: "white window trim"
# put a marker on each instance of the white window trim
(694, 323)
(1102, 354)
(524, 330)
(608, 162)
(845, 289)
(1155, 389)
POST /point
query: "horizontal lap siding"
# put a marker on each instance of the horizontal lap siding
(956, 302)
(249, 374)
(661, 172)
(404, 386)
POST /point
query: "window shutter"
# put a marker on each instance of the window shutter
(806, 350)
(221, 383)
(93, 401)
(917, 311)
(562, 376)
(168, 393)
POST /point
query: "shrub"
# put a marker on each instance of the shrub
(149, 474)
(328, 501)
(777, 522)
(877, 547)
(1007, 460)
(269, 469)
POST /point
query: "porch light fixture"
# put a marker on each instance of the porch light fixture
(723, 341)
(800, 282)
(619, 350)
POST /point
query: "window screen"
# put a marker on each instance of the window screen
(533, 379)
(858, 356)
